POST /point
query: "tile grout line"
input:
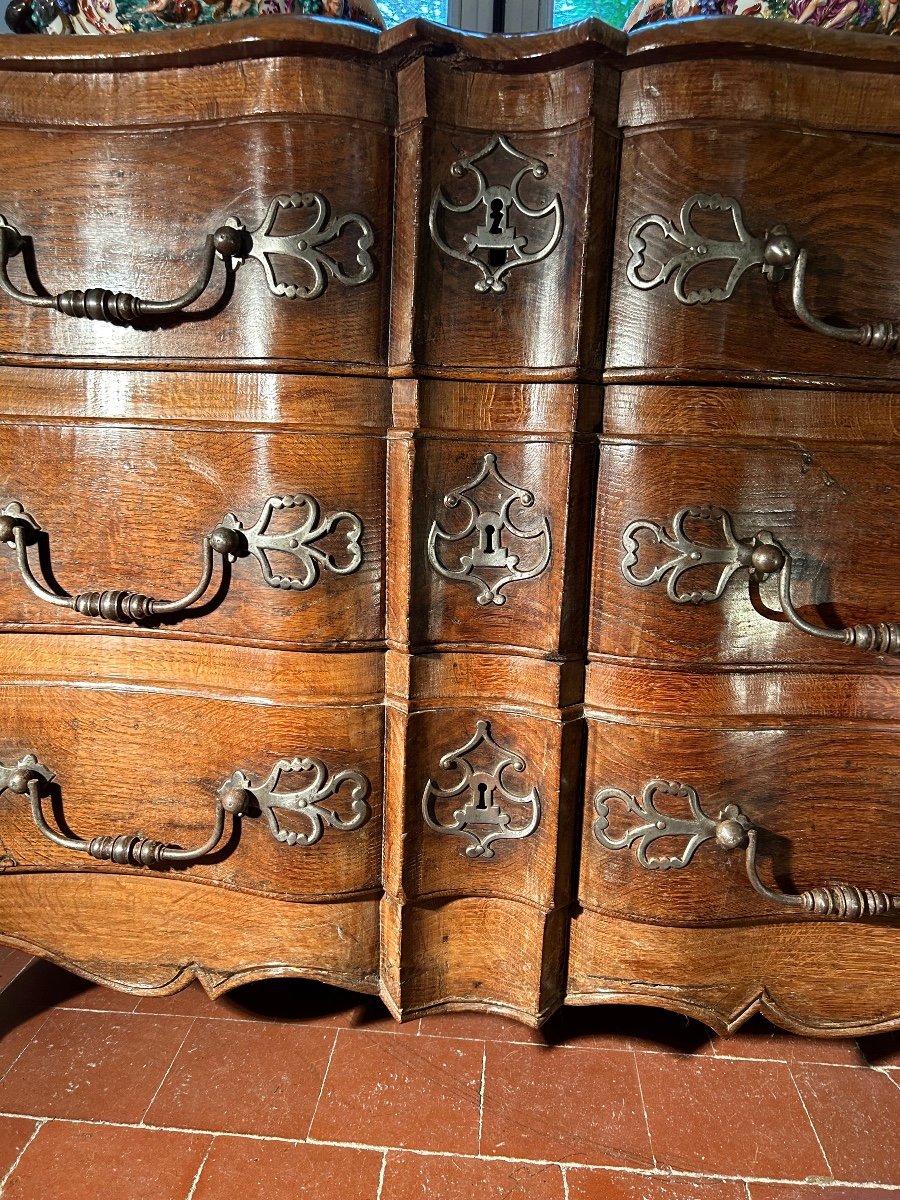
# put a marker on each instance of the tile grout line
(481, 1094)
(380, 1176)
(746, 1189)
(720, 1054)
(640, 1083)
(168, 1071)
(196, 1179)
(19, 1156)
(565, 1182)
(4, 1074)
(811, 1122)
(322, 1088)
(649, 1172)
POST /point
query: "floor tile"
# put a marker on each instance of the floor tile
(585, 1184)
(881, 1049)
(23, 1011)
(241, 1167)
(244, 1077)
(54, 987)
(11, 963)
(287, 1001)
(103, 1162)
(94, 1065)
(14, 1135)
(857, 1117)
(727, 1117)
(421, 1177)
(657, 1029)
(564, 1105)
(759, 1039)
(793, 1191)
(419, 1093)
(482, 1027)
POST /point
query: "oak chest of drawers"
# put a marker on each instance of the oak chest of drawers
(512, 427)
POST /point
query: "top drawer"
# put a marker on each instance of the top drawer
(698, 217)
(120, 178)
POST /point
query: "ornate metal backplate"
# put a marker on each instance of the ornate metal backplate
(488, 565)
(745, 252)
(481, 819)
(502, 248)
(654, 823)
(307, 246)
(736, 553)
(301, 542)
(307, 800)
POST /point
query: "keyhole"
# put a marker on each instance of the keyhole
(481, 802)
(497, 212)
(489, 532)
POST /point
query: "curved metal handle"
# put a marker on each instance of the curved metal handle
(235, 244)
(230, 540)
(31, 777)
(18, 528)
(776, 253)
(118, 308)
(732, 830)
(761, 555)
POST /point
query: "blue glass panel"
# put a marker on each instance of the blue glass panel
(614, 12)
(395, 11)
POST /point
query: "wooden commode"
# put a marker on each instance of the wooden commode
(450, 515)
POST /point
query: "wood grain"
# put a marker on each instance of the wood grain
(138, 241)
(97, 926)
(129, 445)
(472, 954)
(127, 760)
(853, 259)
(550, 319)
(816, 981)
(822, 797)
(128, 508)
(829, 505)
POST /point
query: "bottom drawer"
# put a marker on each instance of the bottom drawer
(730, 870)
(710, 826)
(267, 776)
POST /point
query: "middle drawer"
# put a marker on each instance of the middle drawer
(701, 551)
(106, 507)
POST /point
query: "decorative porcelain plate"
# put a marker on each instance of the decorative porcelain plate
(872, 16)
(132, 16)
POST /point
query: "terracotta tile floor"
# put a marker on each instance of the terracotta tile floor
(287, 1089)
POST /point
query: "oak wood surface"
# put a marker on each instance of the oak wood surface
(149, 760)
(97, 926)
(130, 444)
(723, 976)
(854, 260)
(822, 798)
(829, 505)
(125, 507)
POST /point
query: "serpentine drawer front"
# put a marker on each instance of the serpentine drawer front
(696, 566)
(165, 238)
(86, 776)
(242, 534)
(783, 278)
(450, 515)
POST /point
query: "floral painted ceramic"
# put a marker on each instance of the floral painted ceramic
(121, 16)
(873, 16)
